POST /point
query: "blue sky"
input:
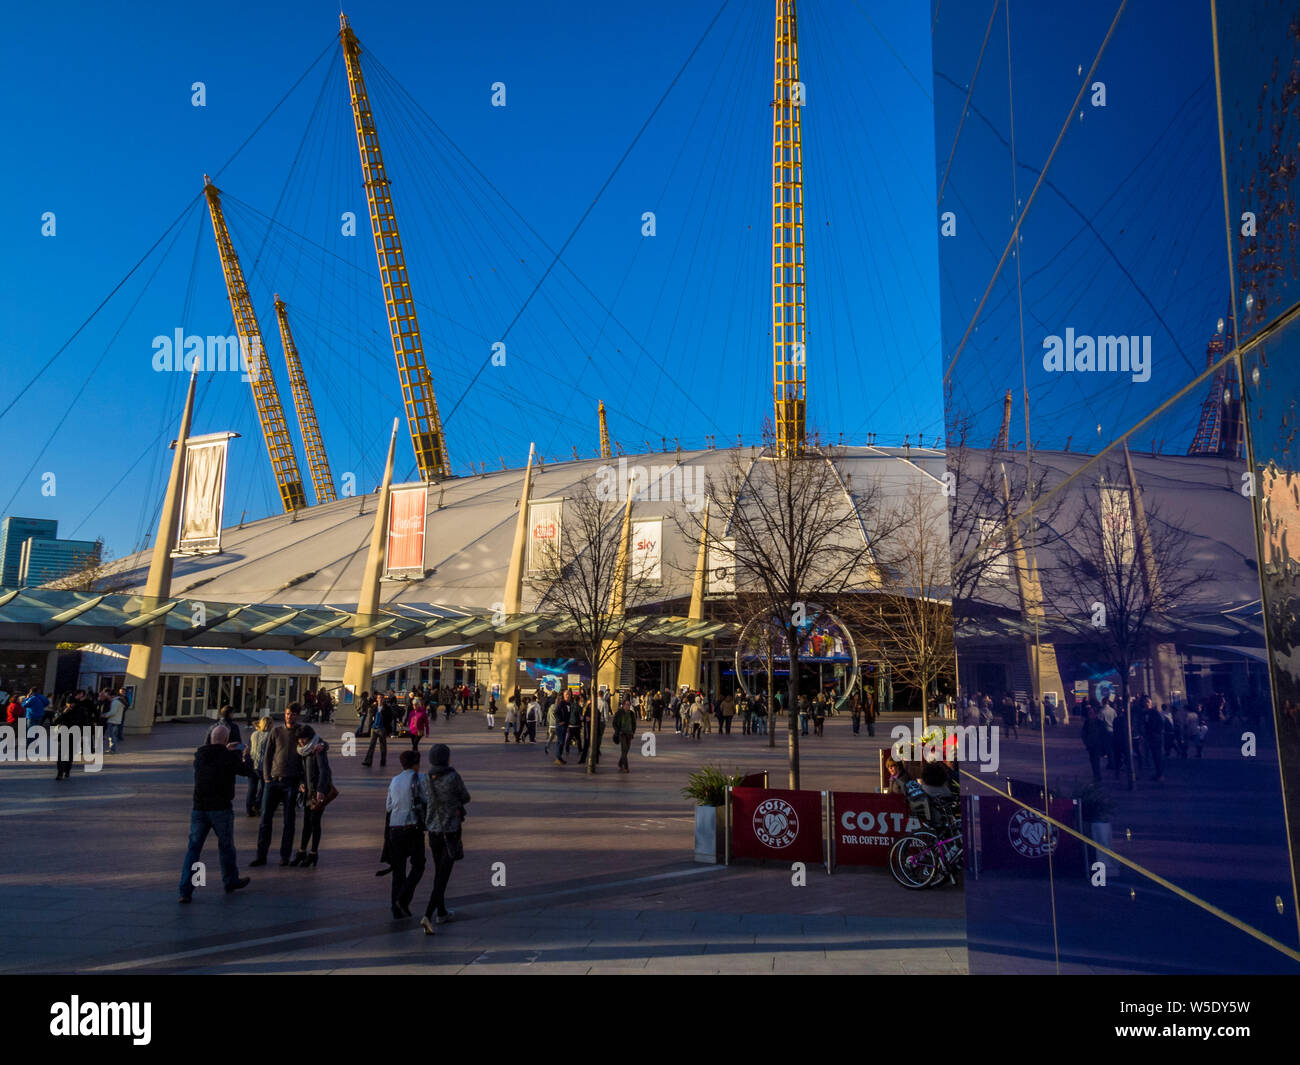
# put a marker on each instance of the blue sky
(671, 331)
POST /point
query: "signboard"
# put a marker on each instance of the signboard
(721, 568)
(545, 528)
(993, 550)
(203, 497)
(1012, 837)
(1116, 528)
(866, 825)
(406, 517)
(647, 550)
(781, 825)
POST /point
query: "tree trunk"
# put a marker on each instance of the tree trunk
(792, 710)
(771, 689)
(1128, 717)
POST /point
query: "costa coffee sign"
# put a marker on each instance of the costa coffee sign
(867, 824)
(781, 825)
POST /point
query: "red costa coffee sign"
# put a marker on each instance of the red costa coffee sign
(866, 826)
(781, 825)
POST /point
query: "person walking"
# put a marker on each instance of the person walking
(363, 715)
(226, 716)
(492, 712)
(1095, 741)
(657, 709)
(216, 764)
(408, 810)
(855, 713)
(512, 719)
(255, 759)
(114, 716)
(575, 727)
(318, 787)
(728, 711)
(73, 716)
(281, 775)
(562, 711)
(696, 716)
(676, 707)
(380, 729)
(417, 724)
(819, 714)
(1153, 729)
(803, 715)
(447, 797)
(624, 732)
(552, 717)
(532, 719)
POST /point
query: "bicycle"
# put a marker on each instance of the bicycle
(931, 855)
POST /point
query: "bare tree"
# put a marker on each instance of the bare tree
(99, 573)
(586, 577)
(800, 538)
(1117, 577)
(912, 628)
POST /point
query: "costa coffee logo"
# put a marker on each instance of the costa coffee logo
(1031, 836)
(544, 529)
(775, 823)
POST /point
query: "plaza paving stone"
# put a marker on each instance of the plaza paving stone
(599, 872)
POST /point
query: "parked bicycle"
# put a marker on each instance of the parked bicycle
(931, 855)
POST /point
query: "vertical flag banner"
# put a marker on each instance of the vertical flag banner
(647, 550)
(1117, 527)
(204, 495)
(544, 530)
(722, 568)
(406, 522)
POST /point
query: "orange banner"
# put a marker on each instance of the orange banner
(406, 530)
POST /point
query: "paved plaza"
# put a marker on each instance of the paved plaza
(599, 872)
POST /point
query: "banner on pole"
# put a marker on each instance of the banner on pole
(407, 510)
(545, 526)
(203, 497)
(647, 550)
(721, 565)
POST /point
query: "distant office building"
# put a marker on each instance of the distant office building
(32, 554)
(14, 532)
(43, 561)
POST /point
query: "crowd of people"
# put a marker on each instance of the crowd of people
(79, 709)
(288, 766)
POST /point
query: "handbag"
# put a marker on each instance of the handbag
(330, 796)
(454, 844)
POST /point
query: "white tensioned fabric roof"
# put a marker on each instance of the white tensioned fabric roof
(222, 661)
(318, 556)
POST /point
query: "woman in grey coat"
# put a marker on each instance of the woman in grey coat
(317, 783)
(447, 797)
(257, 761)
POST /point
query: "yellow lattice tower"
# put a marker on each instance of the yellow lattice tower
(317, 461)
(417, 386)
(266, 398)
(604, 432)
(789, 327)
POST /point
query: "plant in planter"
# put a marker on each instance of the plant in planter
(708, 787)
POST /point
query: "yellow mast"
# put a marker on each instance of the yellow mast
(266, 398)
(417, 385)
(604, 432)
(789, 327)
(317, 461)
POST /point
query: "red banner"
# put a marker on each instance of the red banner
(406, 530)
(866, 826)
(780, 825)
(1012, 837)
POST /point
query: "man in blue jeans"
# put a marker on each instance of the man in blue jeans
(216, 764)
(282, 772)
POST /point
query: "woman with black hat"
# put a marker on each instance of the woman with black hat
(447, 799)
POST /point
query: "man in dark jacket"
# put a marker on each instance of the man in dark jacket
(381, 728)
(282, 772)
(216, 764)
(624, 731)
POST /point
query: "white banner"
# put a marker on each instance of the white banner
(545, 528)
(203, 497)
(647, 550)
(993, 550)
(1116, 528)
(721, 576)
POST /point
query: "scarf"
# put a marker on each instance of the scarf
(312, 746)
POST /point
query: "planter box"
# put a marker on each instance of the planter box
(710, 834)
